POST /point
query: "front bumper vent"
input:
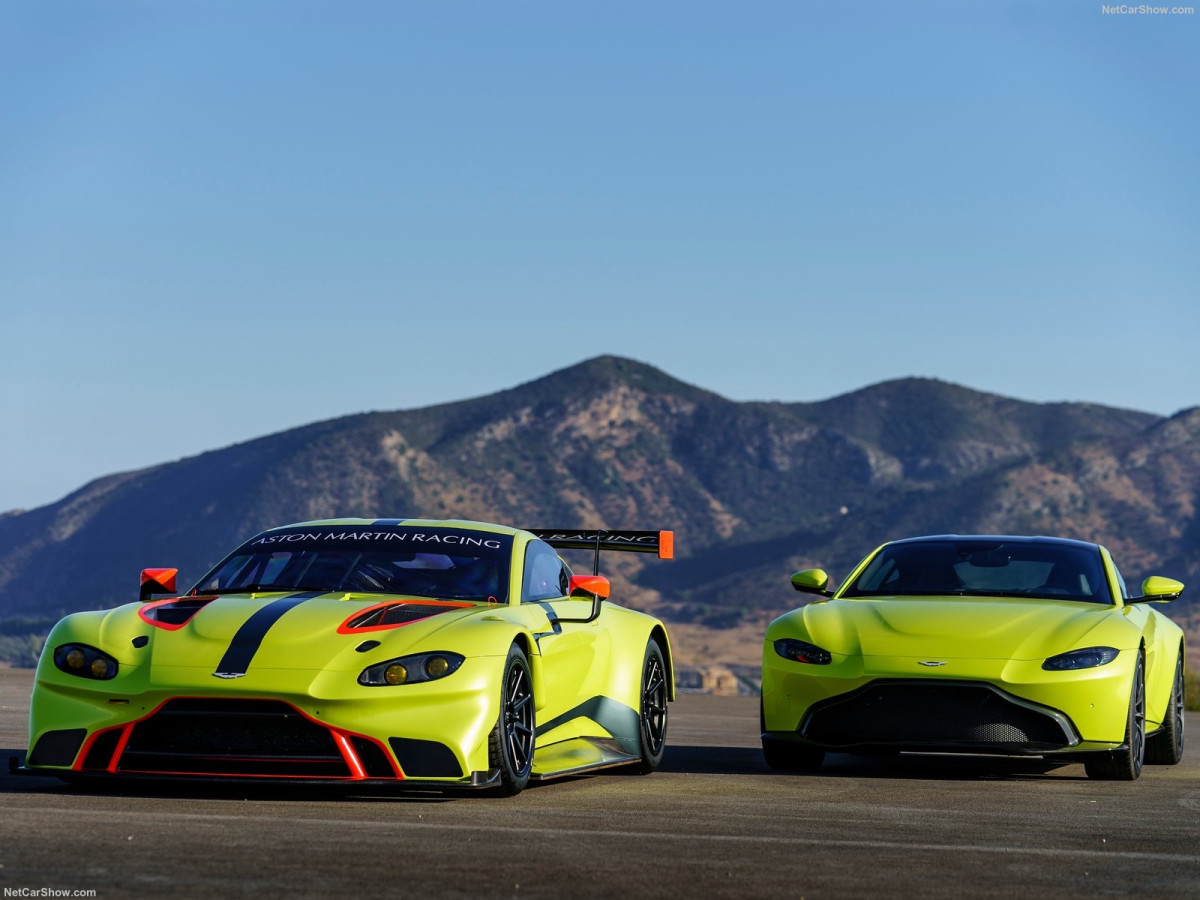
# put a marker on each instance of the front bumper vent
(937, 715)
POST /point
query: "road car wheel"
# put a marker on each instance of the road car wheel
(1165, 748)
(653, 725)
(1126, 764)
(511, 745)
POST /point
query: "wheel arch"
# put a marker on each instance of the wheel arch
(528, 646)
(658, 634)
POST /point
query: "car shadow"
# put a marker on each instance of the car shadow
(915, 766)
(207, 790)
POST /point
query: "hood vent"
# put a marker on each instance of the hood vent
(395, 614)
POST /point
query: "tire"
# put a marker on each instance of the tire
(652, 720)
(1165, 747)
(1126, 764)
(511, 745)
(787, 756)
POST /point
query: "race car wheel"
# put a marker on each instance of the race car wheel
(654, 709)
(511, 746)
(1126, 764)
(787, 756)
(1165, 748)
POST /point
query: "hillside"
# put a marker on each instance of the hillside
(753, 490)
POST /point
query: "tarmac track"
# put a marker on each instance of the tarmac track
(712, 822)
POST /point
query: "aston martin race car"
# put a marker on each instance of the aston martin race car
(978, 644)
(389, 652)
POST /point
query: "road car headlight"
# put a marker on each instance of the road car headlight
(85, 661)
(411, 669)
(802, 651)
(1087, 658)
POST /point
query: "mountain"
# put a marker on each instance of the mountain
(752, 490)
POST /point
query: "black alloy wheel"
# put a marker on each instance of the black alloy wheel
(653, 716)
(512, 740)
(1165, 747)
(1126, 764)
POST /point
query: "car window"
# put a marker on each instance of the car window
(412, 560)
(985, 568)
(546, 577)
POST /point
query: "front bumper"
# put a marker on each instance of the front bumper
(968, 705)
(425, 735)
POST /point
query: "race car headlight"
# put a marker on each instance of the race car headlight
(1087, 658)
(802, 651)
(85, 661)
(411, 669)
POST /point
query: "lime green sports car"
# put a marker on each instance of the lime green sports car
(978, 644)
(380, 652)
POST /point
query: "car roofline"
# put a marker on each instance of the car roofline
(1006, 538)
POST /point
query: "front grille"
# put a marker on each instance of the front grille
(232, 737)
(102, 749)
(947, 714)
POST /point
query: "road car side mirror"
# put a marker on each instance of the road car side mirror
(157, 581)
(1157, 588)
(812, 581)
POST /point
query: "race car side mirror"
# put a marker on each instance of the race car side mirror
(597, 587)
(1156, 588)
(812, 581)
(590, 585)
(157, 581)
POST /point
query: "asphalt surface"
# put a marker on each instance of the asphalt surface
(712, 822)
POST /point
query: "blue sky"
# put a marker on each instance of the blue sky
(223, 219)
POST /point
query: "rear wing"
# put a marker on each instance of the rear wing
(660, 542)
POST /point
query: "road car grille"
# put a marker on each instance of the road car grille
(233, 737)
(945, 715)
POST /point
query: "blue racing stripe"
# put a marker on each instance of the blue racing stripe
(250, 636)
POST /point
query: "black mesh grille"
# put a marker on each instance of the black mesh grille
(232, 737)
(923, 714)
(99, 755)
(57, 748)
(425, 759)
(373, 758)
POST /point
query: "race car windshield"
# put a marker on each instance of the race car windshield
(438, 563)
(984, 569)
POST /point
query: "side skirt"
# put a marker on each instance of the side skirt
(578, 755)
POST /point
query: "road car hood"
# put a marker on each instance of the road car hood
(238, 633)
(958, 627)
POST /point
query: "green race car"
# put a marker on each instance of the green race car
(978, 644)
(393, 652)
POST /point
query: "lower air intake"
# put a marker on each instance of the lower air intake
(952, 715)
(232, 737)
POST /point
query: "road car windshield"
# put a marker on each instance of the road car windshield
(1057, 571)
(426, 562)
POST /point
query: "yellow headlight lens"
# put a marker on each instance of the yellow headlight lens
(76, 659)
(99, 667)
(436, 666)
(395, 674)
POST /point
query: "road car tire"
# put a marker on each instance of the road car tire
(1126, 764)
(653, 717)
(512, 741)
(1165, 747)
